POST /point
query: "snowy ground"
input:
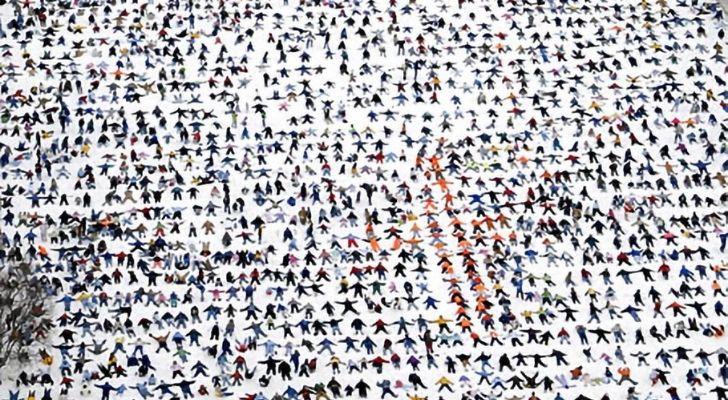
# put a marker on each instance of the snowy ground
(609, 36)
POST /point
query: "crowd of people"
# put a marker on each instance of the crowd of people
(412, 199)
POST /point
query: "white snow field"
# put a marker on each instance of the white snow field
(548, 124)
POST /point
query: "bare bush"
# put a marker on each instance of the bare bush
(25, 313)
